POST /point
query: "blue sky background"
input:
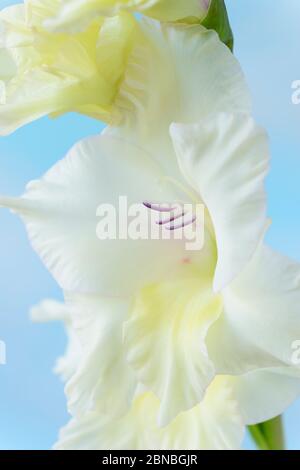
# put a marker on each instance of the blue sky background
(32, 403)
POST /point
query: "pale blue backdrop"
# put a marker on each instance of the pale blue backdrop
(32, 404)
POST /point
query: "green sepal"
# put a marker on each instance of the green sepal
(217, 19)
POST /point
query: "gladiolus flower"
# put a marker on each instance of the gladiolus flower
(46, 73)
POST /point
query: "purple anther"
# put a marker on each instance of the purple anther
(158, 207)
(167, 221)
(182, 224)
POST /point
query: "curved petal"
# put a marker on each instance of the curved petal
(198, 76)
(76, 15)
(66, 214)
(226, 159)
(58, 73)
(260, 321)
(165, 342)
(134, 431)
(38, 10)
(265, 394)
(103, 381)
(50, 310)
(215, 424)
(41, 92)
(14, 31)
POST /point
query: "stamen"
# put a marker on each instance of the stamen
(168, 222)
(175, 217)
(158, 207)
(183, 224)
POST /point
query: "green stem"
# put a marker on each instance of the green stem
(268, 435)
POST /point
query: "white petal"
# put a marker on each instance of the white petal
(260, 322)
(38, 10)
(265, 394)
(76, 15)
(50, 310)
(215, 424)
(134, 431)
(179, 74)
(60, 215)
(225, 158)
(103, 381)
(47, 73)
(165, 341)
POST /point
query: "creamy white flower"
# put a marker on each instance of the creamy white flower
(177, 335)
(60, 209)
(216, 155)
(49, 73)
(208, 83)
(104, 379)
(221, 161)
(229, 405)
(178, 338)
